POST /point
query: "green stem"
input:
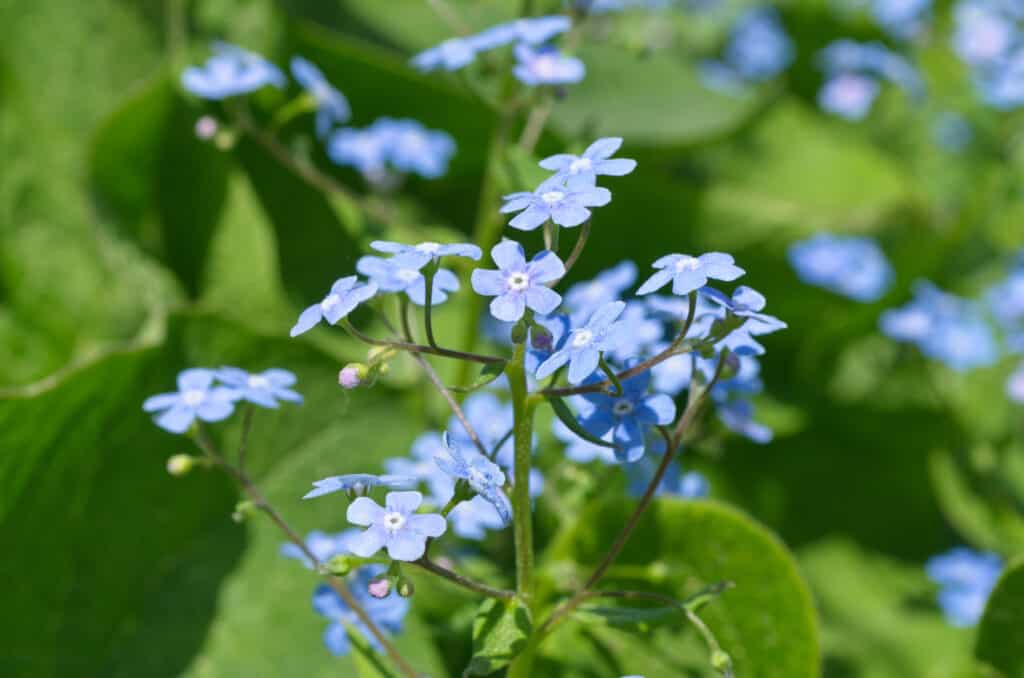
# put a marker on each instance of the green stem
(428, 325)
(612, 377)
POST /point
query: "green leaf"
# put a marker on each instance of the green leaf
(500, 632)
(563, 412)
(488, 373)
(369, 662)
(1001, 632)
(639, 618)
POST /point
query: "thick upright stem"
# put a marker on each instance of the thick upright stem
(522, 439)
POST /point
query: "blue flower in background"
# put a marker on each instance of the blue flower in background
(492, 421)
(428, 250)
(849, 95)
(687, 274)
(363, 149)
(396, 526)
(853, 72)
(231, 71)
(422, 467)
(387, 613)
(902, 19)
(583, 298)
(674, 483)
(518, 284)
(528, 30)
(323, 545)
(582, 451)
(404, 145)
(358, 483)
(474, 518)
(450, 55)
(758, 49)
(546, 66)
(483, 476)
(854, 267)
(562, 204)
(638, 334)
(332, 106)
(197, 398)
(738, 417)
(1015, 385)
(596, 160)
(262, 388)
(966, 578)
(674, 374)
(345, 295)
(584, 345)
(401, 273)
(1006, 301)
(985, 31)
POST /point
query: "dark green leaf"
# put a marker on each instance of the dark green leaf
(500, 632)
(639, 618)
(1001, 632)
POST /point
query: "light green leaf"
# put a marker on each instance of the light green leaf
(500, 632)
(1001, 632)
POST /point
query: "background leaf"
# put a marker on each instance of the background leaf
(1001, 632)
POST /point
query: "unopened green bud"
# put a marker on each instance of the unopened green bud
(405, 587)
(243, 510)
(180, 464)
(721, 662)
(340, 565)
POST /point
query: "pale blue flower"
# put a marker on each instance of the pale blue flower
(546, 66)
(902, 19)
(518, 284)
(386, 613)
(196, 398)
(401, 273)
(332, 106)
(474, 518)
(583, 298)
(345, 295)
(583, 451)
(854, 267)
(738, 417)
(748, 303)
(849, 95)
(985, 31)
(639, 333)
(596, 160)
(323, 545)
(674, 483)
(758, 49)
(688, 274)
(565, 205)
(450, 55)
(363, 149)
(428, 250)
(966, 579)
(260, 388)
(396, 526)
(584, 345)
(412, 148)
(483, 476)
(528, 30)
(358, 484)
(853, 70)
(421, 466)
(231, 71)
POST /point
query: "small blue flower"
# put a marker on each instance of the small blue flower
(529, 30)
(853, 71)
(582, 451)
(483, 476)
(412, 148)
(474, 518)
(450, 55)
(688, 274)
(1015, 385)
(546, 66)
(363, 149)
(758, 50)
(966, 579)
(332, 106)
(1006, 302)
(345, 295)
(628, 416)
(428, 250)
(738, 417)
(396, 526)
(596, 160)
(197, 398)
(746, 302)
(985, 32)
(639, 333)
(401, 273)
(262, 388)
(854, 267)
(358, 483)
(673, 375)
(583, 298)
(323, 545)
(584, 345)
(518, 284)
(849, 95)
(492, 421)
(231, 71)
(564, 205)
(387, 613)
(421, 466)
(674, 483)
(902, 19)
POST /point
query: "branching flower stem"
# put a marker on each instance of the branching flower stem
(419, 348)
(460, 580)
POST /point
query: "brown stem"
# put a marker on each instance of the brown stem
(465, 582)
(243, 443)
(419, 348)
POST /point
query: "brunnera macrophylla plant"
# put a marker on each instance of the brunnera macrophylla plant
(628, 364)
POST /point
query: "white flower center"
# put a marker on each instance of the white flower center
(258, 382)
(580, 165)
(478, 477)
(408, 274)
(545, 66)
(622, 407)
(551, 197)
(193, 397)
(329, 302)
(687, 263)
(581, 338)
(518, 282)
(428, 247)
(393, 520)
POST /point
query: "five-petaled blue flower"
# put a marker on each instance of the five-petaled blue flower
(584, 345)
(345, 295)
(597, 159)
(966, 579)
(396, 526)
(401, 273)
(387, 613)
(422, 467)
(746, 302)
(332, 106)
(518, 284)
(428, 250)
(358, 484)
(482, 474)
(563, 204)
(322, 545)
(854, 267)
(528, 30)
(451, 55)
(229, 72)
(405, 145)
(688, 274)
(197, 398)
(260, 388)
(546, 66)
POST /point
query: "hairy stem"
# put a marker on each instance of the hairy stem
(464, 582)
(419, 348)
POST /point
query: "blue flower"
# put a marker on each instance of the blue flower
(197, 398)
(758, 50)
(358, 484)
(688, 274)
(518, 285)
(584, 345)
(639, 332)
(848, 95)
(451, 55)
(401, 273)
(387, 613)
(422, 467)
(674, 483)
(231, 71)
(396, 526)
(582, 451)
(596, 160)
(491, 420)
(854, 267)
(564, 205)
(985, 32)
(1006, 301)
(546, 66)
(474, 518)
(412, 148)
(345, 295)
(748, 303)
(483, 476)
(323, 545)
(1015, 385)
(262, 388)
(627, 416)
(332, 106)
(583, 298)
(674, 374)
(529, 30)
(738, 417)
(428, 250)
(966, 578)
(363, 149)
(853, 70)
(902, 19)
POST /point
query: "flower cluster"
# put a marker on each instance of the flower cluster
(854, 73)
(966, 578)
(387, 611)
(852, 266)
(758, 49)
(987, 37)
(230, 72)
(403, 146)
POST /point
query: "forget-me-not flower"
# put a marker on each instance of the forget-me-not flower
(854, 267)
(323, 546)
(396, 526)
(401, 273)
(420, 465)
(583, 298)
(966, 579)
(546, 66)
(332, 106)
(358, 484)
(688, 274)
(584, 345)
(746, 302)
(1006, 301)
(450, 55)
(901, 18)
(387, 613)
(346, 293)
(197, 398)
(582, 451)
(563, 204)
(758, 49)
(853, 71)
(528, 30)
(428, 250)
(738, 417)
(474, 518)
(482, 474)
(596, 160)
(260, 388)
(412, 148)
(518, 284)
(231, 71)
(849, 95)
(639, 332)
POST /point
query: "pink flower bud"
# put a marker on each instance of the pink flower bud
(379, 588)
(352, 375)
(206, 127)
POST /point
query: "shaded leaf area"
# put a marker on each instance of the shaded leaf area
(500, 632)
(1001, 632)
(766, 623)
